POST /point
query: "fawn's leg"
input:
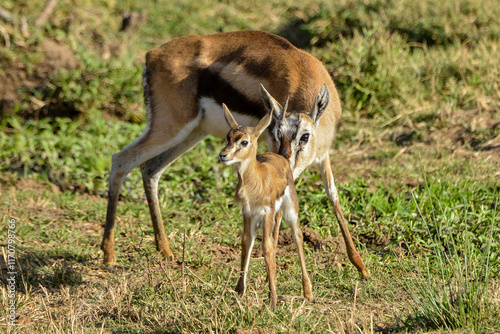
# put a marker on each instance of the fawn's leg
(276, 232)
(247, 242)
(297, 237)
(290, 212)
(269, 250)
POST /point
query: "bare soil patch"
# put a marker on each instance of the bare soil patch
(224, 253)
(19, 77)
(313, 239)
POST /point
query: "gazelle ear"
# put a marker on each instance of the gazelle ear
(263, 124)
(271, 104)
(320, 104)
(229, 117)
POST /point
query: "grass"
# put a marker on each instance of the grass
(458, 296)
(416, 163)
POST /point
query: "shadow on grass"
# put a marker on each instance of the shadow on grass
(50, 271)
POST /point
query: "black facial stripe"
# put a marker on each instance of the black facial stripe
(297, 157)
(237, 137)
(297, 126)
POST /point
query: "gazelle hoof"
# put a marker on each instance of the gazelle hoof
(364, 274)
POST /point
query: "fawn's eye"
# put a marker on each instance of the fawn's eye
(279, 134)
(244, 143)
(304, 139)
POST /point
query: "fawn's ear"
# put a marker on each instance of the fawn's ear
(320, 104)
(229, 117)
(263, 124)
(271, 104)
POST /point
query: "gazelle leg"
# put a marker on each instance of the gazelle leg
(352, 253)
(108, 244)
(151, 173)
(247, 242)
(269, 250)
(147, 146)
(121, 164)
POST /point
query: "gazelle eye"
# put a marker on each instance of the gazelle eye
(279, 134)
(304, 139)
(244, 143)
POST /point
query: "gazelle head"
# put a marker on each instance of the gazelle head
(241, 141)
(294, 132)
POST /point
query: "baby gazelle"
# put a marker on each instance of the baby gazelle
(265, 186)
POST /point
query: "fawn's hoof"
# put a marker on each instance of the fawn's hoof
(111, 268)
(167, 254)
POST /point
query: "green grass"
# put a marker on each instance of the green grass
(63, 150)
(415, 161)
(458, 296)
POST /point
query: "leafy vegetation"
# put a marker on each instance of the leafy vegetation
(416, 162)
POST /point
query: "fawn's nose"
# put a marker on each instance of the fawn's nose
(222, 156)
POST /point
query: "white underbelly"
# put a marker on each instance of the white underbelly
(214, 123)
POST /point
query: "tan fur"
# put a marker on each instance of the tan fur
(226, 67)
(265, 189)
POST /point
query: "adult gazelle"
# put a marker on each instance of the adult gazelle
(185, 83)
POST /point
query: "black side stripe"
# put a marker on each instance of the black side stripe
(211, 85)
